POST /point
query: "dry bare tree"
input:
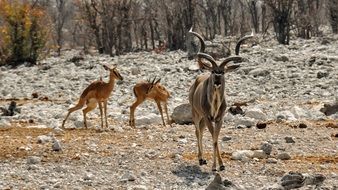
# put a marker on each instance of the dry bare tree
(333, 14)
(281, 12)
(59, 17)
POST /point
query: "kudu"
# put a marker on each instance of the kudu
(97, 92)
(150, 90)
(206, 96)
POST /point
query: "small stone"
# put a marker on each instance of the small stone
(302, 125)
(226, 138)
(260, 154)
(118, 129)
(234, 110)
(88, 176)
(266, 147)
(285, 115)
(261, 125)
(289, 140)
(281, 58)
(35, 95)
(248, 122)
(259, 72)
(322, 74)
(283, 156)
(292, 180)
(139, 187)
(271, 161)
(33, 160)
(256, 114)
(4, 123)
(135, 71)
(128, 176)
(241, 127)
(242, 154)
(56, 146)
(42, 139)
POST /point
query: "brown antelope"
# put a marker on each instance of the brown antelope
(207, 100)
(150, 90)
(97, 92)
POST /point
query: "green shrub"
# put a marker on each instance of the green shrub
(23, 32)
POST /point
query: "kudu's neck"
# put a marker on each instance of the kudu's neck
(212, 90)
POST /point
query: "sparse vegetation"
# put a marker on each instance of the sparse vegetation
(23, 33)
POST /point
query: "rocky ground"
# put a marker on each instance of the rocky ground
(284, 87)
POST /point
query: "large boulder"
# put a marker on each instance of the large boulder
(182, 114)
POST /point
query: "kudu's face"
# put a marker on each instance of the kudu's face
(217, 76)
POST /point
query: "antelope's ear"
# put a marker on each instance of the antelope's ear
(157, 81)
(231, 68)
(106, 67)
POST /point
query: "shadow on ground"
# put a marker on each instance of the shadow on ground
(191, 173)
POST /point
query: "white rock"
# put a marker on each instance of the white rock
(260, 154)
(128, 176)
(44, 139)
(4, 123)
(285, 115)
(249, 122)
(299, 113)
(259, 72)
(182, 114)
(88, 176)
(256, 114)
(139, 187)
(148, 119)
(242, 154)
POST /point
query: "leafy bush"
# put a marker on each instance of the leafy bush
(23, 32)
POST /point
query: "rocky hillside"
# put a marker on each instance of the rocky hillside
(289, 121)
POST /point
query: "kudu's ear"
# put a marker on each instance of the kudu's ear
(203, 65)
(105, 67)
(231, 68)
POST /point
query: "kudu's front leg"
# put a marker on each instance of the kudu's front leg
(217, 129)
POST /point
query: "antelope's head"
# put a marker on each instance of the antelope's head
(113, 72)
(156, 89)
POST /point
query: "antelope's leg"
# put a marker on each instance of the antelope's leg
(218, 126)
(91, 104)
(105, 111)
(100, 107)
(70, 110)
(166, 112)
(160, 109)
(132, 111)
